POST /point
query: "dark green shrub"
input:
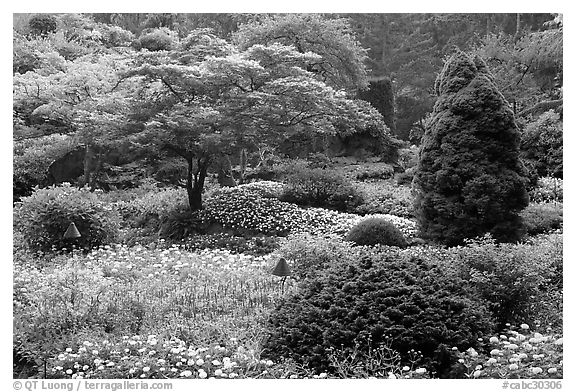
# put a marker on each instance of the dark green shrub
(406, 177)
(382, 294)
(320, 188)
(181, 223)
(44, 216)
(469, 179)
(542, 217)
(376, 231)
(541, 145)
(42, 24)
(381, 95)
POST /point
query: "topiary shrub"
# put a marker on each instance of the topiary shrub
(44, 217)
(376, 231)
(381, 294)
(542, 217)
(320, 188)
(469, 180)
(181, 223)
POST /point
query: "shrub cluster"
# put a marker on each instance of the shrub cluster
(514, 280)
(376, 231)
(541, 145)
(381, 172)
(248, 209)
(155, 40)
(542, 217)
(378, 294)
(385, 198)
(43, 218)
(320, 188)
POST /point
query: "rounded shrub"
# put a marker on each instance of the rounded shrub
(384, 295)
(156, 40)
(470, 180)
(42, 24)
(43, 218)
(376, 231)
(320, 188)
(541, 145)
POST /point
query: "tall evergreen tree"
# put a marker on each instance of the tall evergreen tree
(470, 180)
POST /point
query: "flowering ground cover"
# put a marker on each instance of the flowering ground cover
(197, 310)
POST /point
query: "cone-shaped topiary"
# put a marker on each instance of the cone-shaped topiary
(469, 179)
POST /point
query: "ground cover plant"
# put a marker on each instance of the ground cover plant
(257, 197)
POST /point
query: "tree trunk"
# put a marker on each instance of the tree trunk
(518, 28)
(195, 182)
(88, 164)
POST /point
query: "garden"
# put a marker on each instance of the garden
(214, 202)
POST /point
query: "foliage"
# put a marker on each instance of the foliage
(255, 246)
(111, 292)
(32, 157)
(542, 217)
(320, 188)
(547, 189)
(42, 24)
(381, 96)
(156, 40)
(512, 279)
(379, 295)
(181, 223)
(541, 145)
(380, 172)
(248, 209)
(383, 197)
(308, 254)
(44, 216)
(374, 231)
(517, 353)
(341, 58)
(469, 179)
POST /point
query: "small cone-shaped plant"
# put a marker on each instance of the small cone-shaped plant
(469, 180)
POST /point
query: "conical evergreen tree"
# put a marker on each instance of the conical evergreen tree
(470, 180)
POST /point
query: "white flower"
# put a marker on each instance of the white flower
(420, 370)
(391, 375)
(513, 367)
(491, 361)
(202, 373)
(552, 370)
(69, 371)
(218, 372)
(405, 369)
(216, 362)
(477, 373)
(524, 326)
(559, 342)
(536, 370)
(323, 375)
(495, 352)
(146, 369)
(185, 373)
(472, 352)
(200, 362)
(493, 339)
